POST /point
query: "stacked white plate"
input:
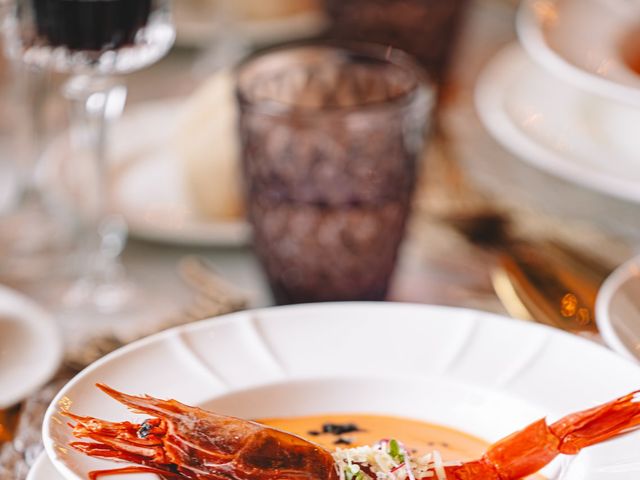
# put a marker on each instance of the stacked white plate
(567, 98)
(618, 309)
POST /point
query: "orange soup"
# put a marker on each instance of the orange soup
(334, 431)
(418, 436)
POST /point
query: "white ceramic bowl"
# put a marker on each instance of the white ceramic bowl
(618, 309)
(581, 41)
(481, 373)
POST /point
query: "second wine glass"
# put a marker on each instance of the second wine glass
(95, 41)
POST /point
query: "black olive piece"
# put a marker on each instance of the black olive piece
(339, 428)
(343, 441)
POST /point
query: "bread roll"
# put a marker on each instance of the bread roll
(207, 142)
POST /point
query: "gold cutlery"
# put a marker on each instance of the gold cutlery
(534, 283)
(540, 279)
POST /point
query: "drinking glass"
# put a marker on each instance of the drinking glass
(427, 29)
(330, 140)
(95, 41)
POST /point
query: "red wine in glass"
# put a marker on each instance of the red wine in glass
(101, 36)
(95, 41)
(90, 24)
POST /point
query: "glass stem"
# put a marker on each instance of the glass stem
(35, 86)
(95, 102)
(32, 225)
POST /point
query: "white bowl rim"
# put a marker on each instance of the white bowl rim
(608, 290)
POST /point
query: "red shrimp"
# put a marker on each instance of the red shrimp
(183, 442)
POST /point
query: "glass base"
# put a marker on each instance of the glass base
(108, 293)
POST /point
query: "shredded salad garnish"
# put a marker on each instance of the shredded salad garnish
(388, 460)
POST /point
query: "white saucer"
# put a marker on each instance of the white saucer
(146, 181)
(581, 42)
(582, 138)
(618, 309)
(43, 469)
(30, 347)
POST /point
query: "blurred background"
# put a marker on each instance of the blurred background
(123, 192)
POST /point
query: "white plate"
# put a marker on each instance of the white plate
(147, 185)
(618, 309)
(582, 138)
(481, 373)
(43, 469)
(30, 347)
(582, 42)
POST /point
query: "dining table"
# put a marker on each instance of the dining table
(437, 265)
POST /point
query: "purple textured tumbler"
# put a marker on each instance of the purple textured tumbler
(330, 139)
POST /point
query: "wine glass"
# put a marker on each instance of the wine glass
(95, 41)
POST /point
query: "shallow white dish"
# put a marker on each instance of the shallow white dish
(618, 309)
(147, 185)
(582, 41)
(582, 138)
(30, 347)
(43, 469)
(478, 372)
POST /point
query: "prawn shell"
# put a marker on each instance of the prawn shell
(524, 452)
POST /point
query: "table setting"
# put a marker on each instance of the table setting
(353, 240)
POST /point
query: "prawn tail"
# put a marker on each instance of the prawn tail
(582, 429)
(471, 471)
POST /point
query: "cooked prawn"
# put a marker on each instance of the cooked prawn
(183, 442)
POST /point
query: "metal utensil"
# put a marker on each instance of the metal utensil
(534, 284)
(543, 280)
(214, 295)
